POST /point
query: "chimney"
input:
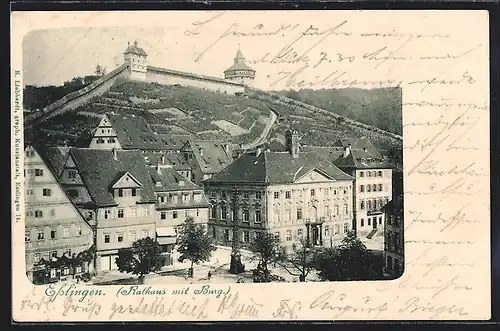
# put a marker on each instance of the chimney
(201, 151)
(158, 168)
(163, 159)
(258, 151)
(347, 151)
(115, 156)
(226, 148)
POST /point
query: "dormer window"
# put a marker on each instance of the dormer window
(134, 192)
(158, 184)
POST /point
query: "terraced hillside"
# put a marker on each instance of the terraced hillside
(247, 120)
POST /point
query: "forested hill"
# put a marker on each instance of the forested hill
(380, 107)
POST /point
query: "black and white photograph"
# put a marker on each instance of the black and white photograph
(140, 172)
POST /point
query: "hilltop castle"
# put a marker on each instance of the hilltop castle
(235, 79)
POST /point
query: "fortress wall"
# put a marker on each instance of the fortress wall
(170, 79)
(80, 97)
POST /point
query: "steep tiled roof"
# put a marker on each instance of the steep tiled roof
(210, 155)
(99, 171)
(54, 157)
(360, 159)
(239, 63)
(328, 153)
(170, 181)
(133, 132)
(276, 168)
(176, 160)
(362, 143)
(171, 141)
(134, 49)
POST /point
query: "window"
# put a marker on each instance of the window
(258, 218)
(132, 235)
(246, 236)
(71, 174)
(380, 174)
(313, 192)
(277, 235)
(47, 192)
(27, 237)
(369, 221)
(327, 211)
(53, 234)
(337, 229)
(346, 227)
(38, 213)
(90, 215)
(246, 215)
(39, 172)
(362, 188)
(335, 192)
(345, 190)
(65, 232)
(327, 230)
(246, 195)
(362, 205)
(52, 212)
(369, 204)
(107, 214)
(380, 187)
(213, 212)
(287, 195)
(223, 195)
(78, 230)
(107, 238)
(361, 174)
(276, 195)
(120, 212)
(223, 212)
(53, 254)
(288, 218)
(362, 222)
(368, 188)
(30, 191)
(380, 220)
(374, 187)
(258, 195)
(300, 233)
(119, 237)
(120, 192)
(41, 235)
(288, 235)
(346, 209)
(161, 199)
(336, 209)
(175, 214)
(197, 212)
(369, 173)
(134, 192)
(163, 215)
(213, 195)
(145, 233)
(37, 257)
(299, 213)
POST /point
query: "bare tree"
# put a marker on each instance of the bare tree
(300, 262)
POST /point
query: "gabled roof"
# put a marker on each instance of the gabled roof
(175, 160)
(54, 157)
(133, 132)
(276, 168)
(170, 180)
(99, 170)
(362, 143)
(172, 142)
(134, 49)
(360, 159)
(210, 155)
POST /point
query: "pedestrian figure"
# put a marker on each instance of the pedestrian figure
(209, 275)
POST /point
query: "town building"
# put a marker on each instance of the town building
(112, 189)
(136, 60)
(394, 237)
(206, 158)
(54, 228)
(177, 199)
(240, 72)
(174, 161)
(298, 196)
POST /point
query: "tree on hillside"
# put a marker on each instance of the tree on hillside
(140, 259)
(265, 249)
(300, 262)
(194, 244)
(100, 70)
(351, 260)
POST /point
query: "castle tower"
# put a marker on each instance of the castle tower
(136, 60)
(240, 72)
(292, 142)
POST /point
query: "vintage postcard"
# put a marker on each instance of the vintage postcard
(250, 165)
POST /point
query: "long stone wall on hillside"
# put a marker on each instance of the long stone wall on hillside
(78, 98)
(365, 129)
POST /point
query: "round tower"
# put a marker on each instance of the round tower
(240, 72)
(136, 59)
